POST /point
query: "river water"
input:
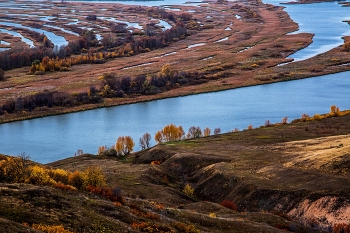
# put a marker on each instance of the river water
(324, 20)
(57, 137)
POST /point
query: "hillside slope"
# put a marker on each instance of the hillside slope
(292, 177)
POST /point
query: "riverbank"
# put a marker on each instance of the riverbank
(266, 180)
(248, 50)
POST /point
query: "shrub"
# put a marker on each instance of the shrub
(59, 175)
(188, 190)
(47, 228)
(93, 176)
(113, 195)
(76, 179)
(182, 227)
(317, 117)
(59, 185)
(229, 204)
(155, 162)
(14, 169)
(40, 176)
(150, 227)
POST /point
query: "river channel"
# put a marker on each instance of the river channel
(57, 137)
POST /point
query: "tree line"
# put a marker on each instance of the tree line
(124, 43)
(125, 144)
(111, 86)
(112, 48)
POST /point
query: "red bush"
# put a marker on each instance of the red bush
(229, 204)
(62, 186)
(107, 193)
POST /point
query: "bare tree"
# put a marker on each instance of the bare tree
(217, 131)
(145, 141)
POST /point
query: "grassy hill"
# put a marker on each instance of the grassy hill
(291, 177)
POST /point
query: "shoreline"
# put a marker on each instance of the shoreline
(131, 100)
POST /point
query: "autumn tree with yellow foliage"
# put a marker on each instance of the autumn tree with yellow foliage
(169, 133)
(124, 145)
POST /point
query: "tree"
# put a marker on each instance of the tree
(158, 137)
(194, 132)
(2, 75)
(335, 111)
(217, 131)
(145, 141)
(206, 132)
(129, 145)
(284, 120)
(124, 145)
(167, 70)
(172, 133)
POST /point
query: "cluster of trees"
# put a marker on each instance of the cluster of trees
(121, 47)
(174, 133)
(123, 44)
(48, 99)
(169, 133)
(111, 86)
(123, 146)
(20, 169)
(16, 58)
(160, 13)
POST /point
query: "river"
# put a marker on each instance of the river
(57, 137)
(324, 20)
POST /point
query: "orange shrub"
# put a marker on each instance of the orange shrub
(62, 186)
(47, 228)
(155, 162)
(151, 227)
